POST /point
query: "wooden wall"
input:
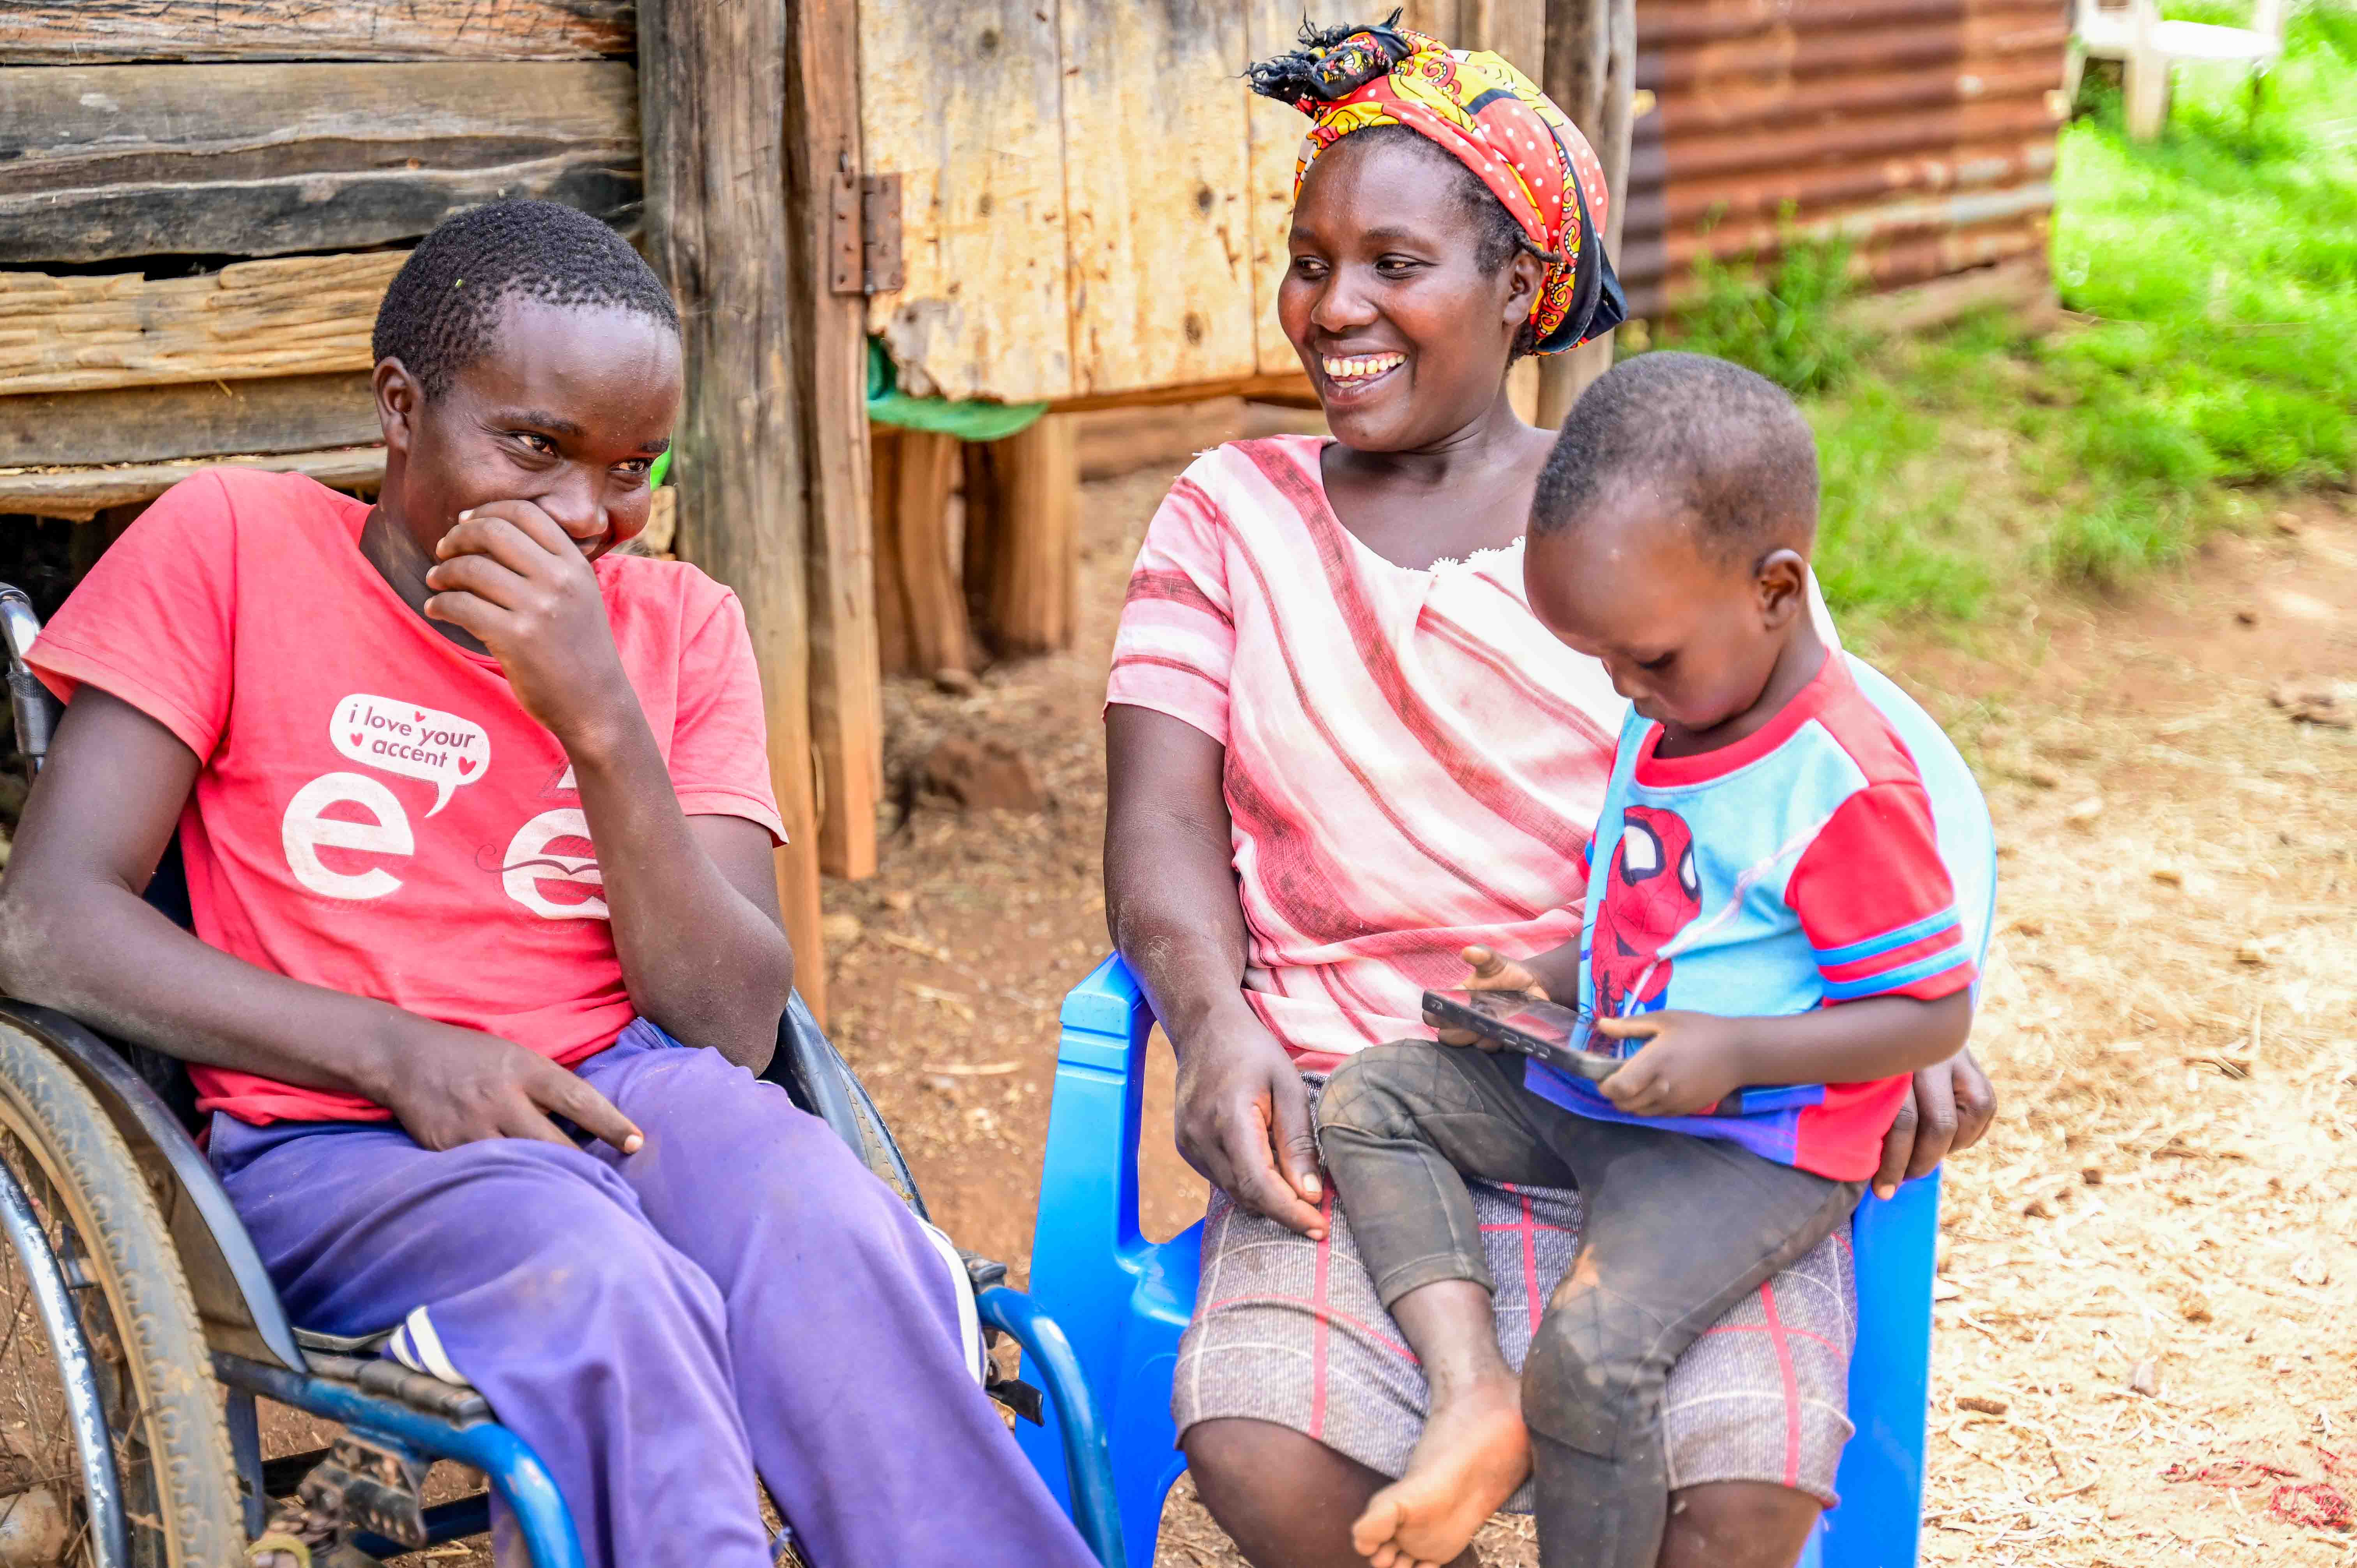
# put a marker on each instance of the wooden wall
(202, 201)
(201, 204)
(1093, 205)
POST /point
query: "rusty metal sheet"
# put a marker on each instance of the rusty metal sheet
(1920, 131)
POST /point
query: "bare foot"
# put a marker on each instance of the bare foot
(1474, 1452)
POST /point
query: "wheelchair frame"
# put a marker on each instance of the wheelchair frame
(258, 1354)
(396, 1422)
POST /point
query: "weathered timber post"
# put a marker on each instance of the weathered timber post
(1023, 535)
(918, 559)
(845, 695)
(1592, 72)
(712, 101)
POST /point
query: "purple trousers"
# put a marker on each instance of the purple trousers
(741, 1296)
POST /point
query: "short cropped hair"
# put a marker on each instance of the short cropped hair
(1726, 448)
(438, 316)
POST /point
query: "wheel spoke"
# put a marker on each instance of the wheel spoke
(47, 1446)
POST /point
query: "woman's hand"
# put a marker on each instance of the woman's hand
(1951, 1107)
(519, 582)
(1690, 1062)
(1243, 1122)
(448, 1086)
(1490, 972)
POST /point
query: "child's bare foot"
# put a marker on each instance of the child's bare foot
(1474, 1452)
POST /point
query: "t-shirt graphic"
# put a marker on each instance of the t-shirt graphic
(1650, 894)
(376, 812)
(1795, 869)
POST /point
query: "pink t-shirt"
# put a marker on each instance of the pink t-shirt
(376, 812)
(1412, 764)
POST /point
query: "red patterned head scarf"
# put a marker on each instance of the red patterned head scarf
(1492, 119)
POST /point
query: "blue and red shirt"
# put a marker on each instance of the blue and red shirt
(1796, 868)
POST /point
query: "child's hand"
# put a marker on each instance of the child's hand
(1490, 972)
(1690, 1062)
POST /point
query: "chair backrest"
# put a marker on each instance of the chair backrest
(1959, 814)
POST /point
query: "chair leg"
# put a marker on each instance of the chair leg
(2074, 70)
(2148, 94)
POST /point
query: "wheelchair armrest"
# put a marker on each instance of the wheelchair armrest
(234, 1298)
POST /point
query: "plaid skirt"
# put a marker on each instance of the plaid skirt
(1289, 1330)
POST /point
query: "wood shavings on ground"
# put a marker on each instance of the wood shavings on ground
(2141, 1254)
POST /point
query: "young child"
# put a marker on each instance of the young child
(477, 817)
(1766, 905)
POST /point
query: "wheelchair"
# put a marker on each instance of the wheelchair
(142, 1332)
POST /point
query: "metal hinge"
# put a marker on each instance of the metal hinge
(863, 234)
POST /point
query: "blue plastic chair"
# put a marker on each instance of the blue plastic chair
(1125, 1300)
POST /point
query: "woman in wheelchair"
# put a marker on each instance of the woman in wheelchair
(1341, 749)
(478, 830)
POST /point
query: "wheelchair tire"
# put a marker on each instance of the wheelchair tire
(164, 1410)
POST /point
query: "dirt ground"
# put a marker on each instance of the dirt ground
(2138, 1348)
(2143, 1352)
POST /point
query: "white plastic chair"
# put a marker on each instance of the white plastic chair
(2136, 35)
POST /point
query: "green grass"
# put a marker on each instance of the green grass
(2210, 358)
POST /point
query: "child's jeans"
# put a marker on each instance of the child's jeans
(1677, 1229)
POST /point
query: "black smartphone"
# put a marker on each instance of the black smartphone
(1546, 1031)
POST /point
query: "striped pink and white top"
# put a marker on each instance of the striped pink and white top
(1413, 762)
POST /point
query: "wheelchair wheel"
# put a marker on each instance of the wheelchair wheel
(148, 1373)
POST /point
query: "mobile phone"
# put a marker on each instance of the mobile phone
(1545, 1031)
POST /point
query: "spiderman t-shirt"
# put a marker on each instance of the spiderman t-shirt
(1795, 869)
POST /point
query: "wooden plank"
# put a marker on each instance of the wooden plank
(142, 424)
(916, 551)
(962, 102)
(1591, 70)
(1286, 387)
(1515, 28)
(1444, 19)
(302, 315)
(1157, 182)
(1029, 567)
(719, 233)
(846, 689)
(88, 32)
(255, 160)
(82, 493)
(1271, 26)
(1113, 442)
(896, 651)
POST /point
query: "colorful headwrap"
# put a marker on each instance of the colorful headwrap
(1491, 118)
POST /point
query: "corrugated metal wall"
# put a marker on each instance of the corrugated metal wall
(1922, 130)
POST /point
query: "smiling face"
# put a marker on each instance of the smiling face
(1689, 633)
(568, 408)
(1404, 337)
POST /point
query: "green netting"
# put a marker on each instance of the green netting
(971, 420)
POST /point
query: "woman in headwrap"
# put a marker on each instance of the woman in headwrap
(1341, 750)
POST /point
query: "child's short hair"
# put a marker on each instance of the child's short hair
(1718, 443)
(438, 316)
